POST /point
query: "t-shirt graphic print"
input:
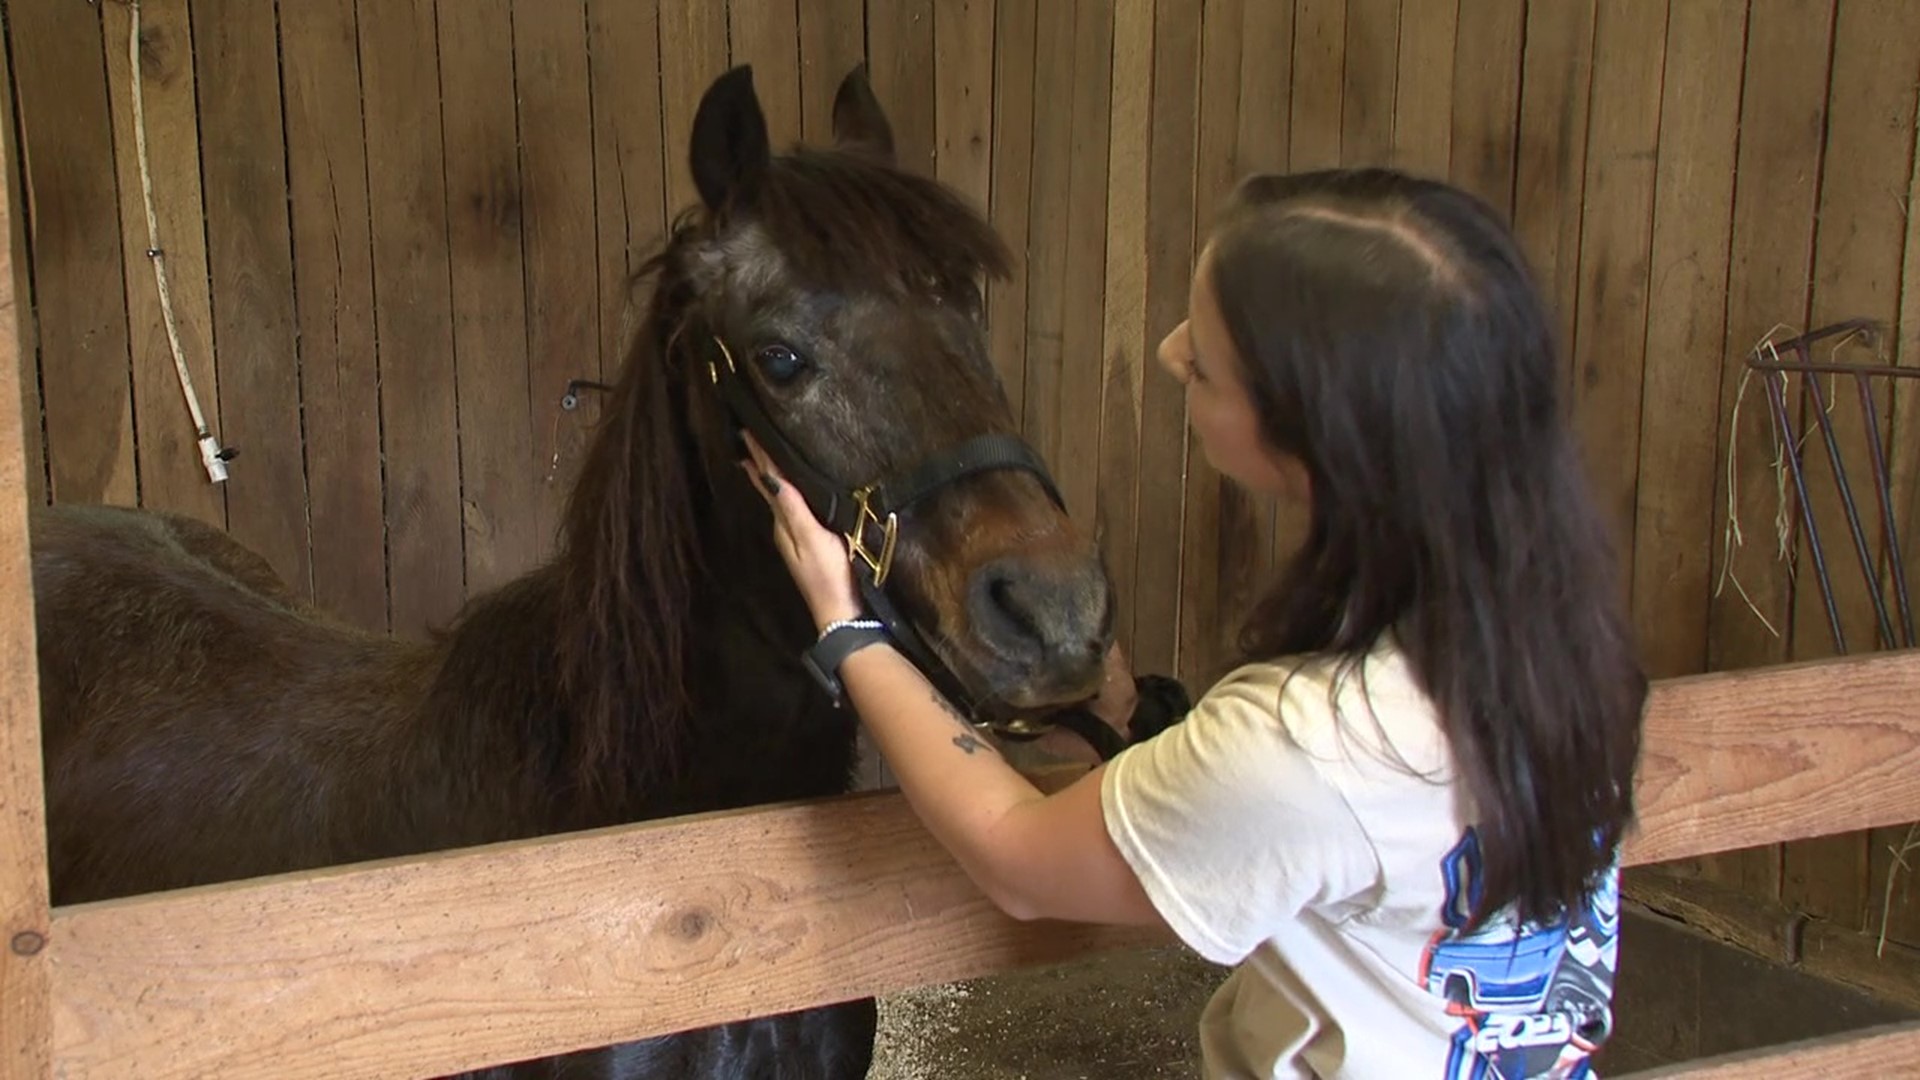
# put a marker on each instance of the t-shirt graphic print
(1534, 1000)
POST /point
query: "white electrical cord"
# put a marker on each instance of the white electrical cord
(211, 456)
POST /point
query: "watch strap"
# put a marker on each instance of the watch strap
(838, 641)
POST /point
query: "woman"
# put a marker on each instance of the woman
(1400, 816)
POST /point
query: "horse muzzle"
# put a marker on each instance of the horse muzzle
(1044, 626)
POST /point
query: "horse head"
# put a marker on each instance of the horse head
(836, 299)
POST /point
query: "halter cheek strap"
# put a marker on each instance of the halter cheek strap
(868, 516)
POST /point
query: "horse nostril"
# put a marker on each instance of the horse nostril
(1009, 606)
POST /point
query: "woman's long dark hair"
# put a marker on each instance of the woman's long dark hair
(1395, 343)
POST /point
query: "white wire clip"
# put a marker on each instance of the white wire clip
(213, 458)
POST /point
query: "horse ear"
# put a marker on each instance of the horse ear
(729, 150)
(858, 120)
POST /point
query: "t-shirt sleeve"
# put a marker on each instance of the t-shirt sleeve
(1229, 824)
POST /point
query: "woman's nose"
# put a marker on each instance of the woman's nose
(1169, 352)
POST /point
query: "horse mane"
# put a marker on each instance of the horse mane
(626, 565)
(629, 559)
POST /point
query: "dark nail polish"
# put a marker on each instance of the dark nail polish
(773, 486)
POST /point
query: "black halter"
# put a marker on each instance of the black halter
(868, 516)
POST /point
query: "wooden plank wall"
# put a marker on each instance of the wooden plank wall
(394, 234)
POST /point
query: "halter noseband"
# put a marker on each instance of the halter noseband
(868, 516)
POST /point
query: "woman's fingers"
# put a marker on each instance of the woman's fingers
(759, 467)
(771, 482)
(755, 451)
(816, 555)
(790, 507)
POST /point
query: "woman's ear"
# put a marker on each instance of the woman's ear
(859, 123)
(729, 151)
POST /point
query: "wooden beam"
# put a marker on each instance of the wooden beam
(1889, 1050)
(1780, 753)
(485, 955)
(25, 1041)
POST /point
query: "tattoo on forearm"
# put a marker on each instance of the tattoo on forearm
(946, 706)
(967, 741)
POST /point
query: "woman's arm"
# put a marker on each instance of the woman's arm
(1036, 856)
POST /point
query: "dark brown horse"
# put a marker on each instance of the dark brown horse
(202, 725)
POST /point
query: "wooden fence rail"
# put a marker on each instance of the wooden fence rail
(490, 954)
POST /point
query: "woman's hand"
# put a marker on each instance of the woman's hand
(815, 555)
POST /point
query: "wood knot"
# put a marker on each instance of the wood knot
(156, 54)
(691, 925)
(494, 202)
(28, 942)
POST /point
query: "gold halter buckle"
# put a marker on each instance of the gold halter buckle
(856, 540)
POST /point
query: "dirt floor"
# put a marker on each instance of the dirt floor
(1128, 1015)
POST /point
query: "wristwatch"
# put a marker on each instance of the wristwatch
(838, 641)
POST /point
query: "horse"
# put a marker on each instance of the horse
(203, 724)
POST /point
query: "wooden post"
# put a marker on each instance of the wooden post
(25, 1029)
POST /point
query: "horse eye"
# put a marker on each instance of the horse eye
(780, 363)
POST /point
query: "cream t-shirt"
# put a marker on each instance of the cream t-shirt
(1303, 823)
